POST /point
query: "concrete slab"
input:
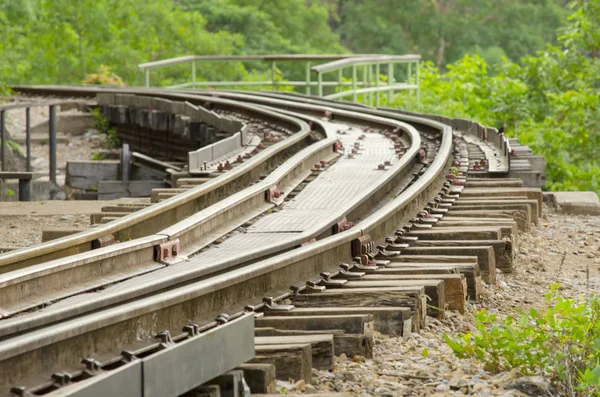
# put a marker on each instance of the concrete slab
(60, 207)
(576, 203)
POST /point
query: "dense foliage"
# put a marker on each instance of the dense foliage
(561, 343)
(550, 101)
(444, 30)
(548, 98)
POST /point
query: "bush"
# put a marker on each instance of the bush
(4, 90)
(561, 343)
(104, 126)
(105, 77)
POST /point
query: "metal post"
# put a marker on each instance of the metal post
(354, 83)
(273, 75)
(308, 90)
(377, 84)
(24, 190)
(2, 140)
(320, 83)
(369, 82)
(194, 74)
(147, 73)
(364, 82)
(417, 77)
(52, 143)
(28, 137)
(125, 162)
(390, 81)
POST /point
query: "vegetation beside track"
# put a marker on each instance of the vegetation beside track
(549, 99)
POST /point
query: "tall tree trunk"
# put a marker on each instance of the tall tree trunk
(439, 57)
(82, 57)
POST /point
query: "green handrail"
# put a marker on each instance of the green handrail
(369, 84)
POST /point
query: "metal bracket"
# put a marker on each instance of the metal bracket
(274, 195)
(272, 305)
(167, 252)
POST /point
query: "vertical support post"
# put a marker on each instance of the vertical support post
(320, 83)
(28, 137)
(354, 83)
(340, 76)
(308, 90)
(24, 190)
(52, 143)
(369, 83)
(147, 74)
(2, 140)
(390, 76)
(273, 75)
(193, 74)
(409, 76)
(364, 82)
(377, 70)
(417, 77)
(125, 162)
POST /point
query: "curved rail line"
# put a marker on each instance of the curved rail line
(170, 297)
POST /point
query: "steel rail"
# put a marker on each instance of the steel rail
(241, 58)
(148, 220)
(175, 231)
(240, 284)
(292, 251)
(23, 285)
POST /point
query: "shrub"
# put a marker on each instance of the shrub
(105, 77)
(561, 343)
(4, 90)
(104, 126)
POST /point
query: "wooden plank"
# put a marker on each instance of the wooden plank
(322, 346)
(349, 344)
(293, 361)
(503, 249)
(434, 290)
(392, 296)
(386, 320)
(455, 285)
(485, 257)
(260, 377)
(350, 323)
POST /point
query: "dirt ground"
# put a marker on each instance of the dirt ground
(77, 147)
(21, 224)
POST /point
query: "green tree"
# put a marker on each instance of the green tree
(444, 30)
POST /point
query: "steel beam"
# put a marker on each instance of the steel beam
(52, 142)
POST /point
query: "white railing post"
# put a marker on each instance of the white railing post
(354, 83)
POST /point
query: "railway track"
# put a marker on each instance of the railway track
(375, 222)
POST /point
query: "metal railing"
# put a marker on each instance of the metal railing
(371, 66)
(51, 133)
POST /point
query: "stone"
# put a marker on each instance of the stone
(532, 386)
(577, 203)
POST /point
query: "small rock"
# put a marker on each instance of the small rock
(66, 217)
(310, 389)
(442, 387)
(342, 357)
(351, 377)
(300, 385)
(532, 386)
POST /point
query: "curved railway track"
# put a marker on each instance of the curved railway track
(365, 189)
